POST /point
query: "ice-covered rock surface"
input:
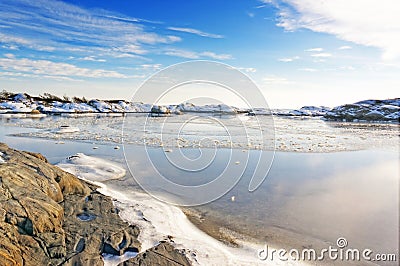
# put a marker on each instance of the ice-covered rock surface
(368, 110)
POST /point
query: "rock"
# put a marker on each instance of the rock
(162, 254)
(39, 208)
(368, 110)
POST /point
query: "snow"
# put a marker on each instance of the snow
(91, 168)
(23, 103)
(209, 108)
(369, 110)
(16, 107)
(2, 158)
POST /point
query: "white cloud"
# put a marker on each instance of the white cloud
(366, 22)
(9, 55)
(275, 80)
(196, 32)
(55, 25)
(345, 47)
(216, 56)
(92, 58)
(45, 67)
(308, 69)
(322, 55)
(288, 59)
(247, 69)
(318, 49)
(195, 55)
(182, 53)
(131, 48)
(151, 67)
(351, 68)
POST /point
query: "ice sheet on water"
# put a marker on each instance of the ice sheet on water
(91, 168)
(291, 134)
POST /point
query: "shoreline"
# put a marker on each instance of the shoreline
(206, 228)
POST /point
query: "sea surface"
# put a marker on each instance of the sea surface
(327, 180)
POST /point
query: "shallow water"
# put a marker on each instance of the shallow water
(307, 198)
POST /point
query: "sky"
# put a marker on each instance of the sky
(298, 52)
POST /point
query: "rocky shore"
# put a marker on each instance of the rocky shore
(50, 217)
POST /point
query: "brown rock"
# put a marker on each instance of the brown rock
(162, 254)
(50, 217)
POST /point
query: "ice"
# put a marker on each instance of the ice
(2, 158)
(291, 133)
(66, 129)
(157, 220)
(91, 168)
(111, 260)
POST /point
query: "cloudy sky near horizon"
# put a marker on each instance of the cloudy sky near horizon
(299, 52)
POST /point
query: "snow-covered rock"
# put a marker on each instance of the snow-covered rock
(368, 110)
(15, 107)
(209, 108)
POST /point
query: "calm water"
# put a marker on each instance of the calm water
(307, 198)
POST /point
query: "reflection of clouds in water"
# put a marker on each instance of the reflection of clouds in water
(360, 204)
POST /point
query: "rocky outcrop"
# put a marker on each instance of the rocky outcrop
(369, 110)
(50, 217)
(162, 254)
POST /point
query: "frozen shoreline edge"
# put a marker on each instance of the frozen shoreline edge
(158, 220)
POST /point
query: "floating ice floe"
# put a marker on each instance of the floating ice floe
(66, 129)
(91, 168)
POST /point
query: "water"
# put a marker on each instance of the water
(307, 198)
(223, 131)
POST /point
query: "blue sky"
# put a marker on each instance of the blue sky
(299, 52)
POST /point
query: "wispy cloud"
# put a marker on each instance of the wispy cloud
(318, 49)
(247, 69)
(216, 56)
(308, 69)
(374, 24)
(322, 55)
(55, 25)
(92, 58)
(196, 32)
(288, 59)
(276, 80)
(196, 55)
(345, 47)
(46, 67)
